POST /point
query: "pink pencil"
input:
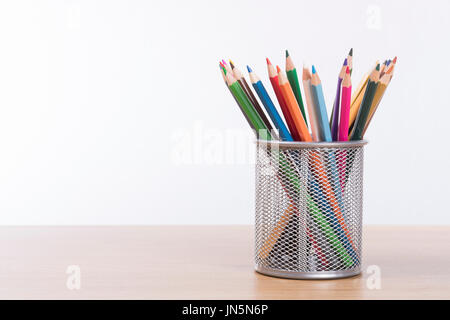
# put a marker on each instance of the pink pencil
(346, 97)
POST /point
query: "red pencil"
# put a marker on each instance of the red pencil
(273, 76)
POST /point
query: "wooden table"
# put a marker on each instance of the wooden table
(206, 262)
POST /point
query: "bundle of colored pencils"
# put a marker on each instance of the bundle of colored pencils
(350, 116)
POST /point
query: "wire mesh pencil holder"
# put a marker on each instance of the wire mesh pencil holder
(308, 217)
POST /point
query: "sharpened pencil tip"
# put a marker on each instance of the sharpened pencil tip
(268, 61)
(350, 53)
(347, 70)
(278, 69)
(345, 62)
(287, 53)
(313, 69)
(395, 60)
(231, 64)
(249, 69)
(378, 67)
(224, 62)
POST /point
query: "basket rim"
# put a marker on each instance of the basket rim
(312, 145)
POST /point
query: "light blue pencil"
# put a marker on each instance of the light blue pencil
(319, 102)
(325, 132)
(270, 107)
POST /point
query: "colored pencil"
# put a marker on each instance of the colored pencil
(312, 110)
(343, 126)
(223, 72)
(345, 106)
(247, 107)
(319, 101)
(334, 119)
(241, 79)
(291, 102)
(363, 112)
(273, 76)
(384, 82)
(325, 135)
(276, 232)
(268, 104)
(243, 82)
(357, 98)
(291, 73)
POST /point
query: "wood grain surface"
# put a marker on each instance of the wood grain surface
(207, 262)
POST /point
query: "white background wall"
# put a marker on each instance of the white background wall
(94, 95)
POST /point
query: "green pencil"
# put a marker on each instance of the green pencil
(291, 73)
(247, 107)
(364, 110)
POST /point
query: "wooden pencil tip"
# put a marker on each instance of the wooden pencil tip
(224, 62)
(345, 62)
(231, 64)
(287, 53)
(395, 60)
(268, 61)
(278, 69)
(249, 69)
(378, 67)
(350, 53)
(313, 69)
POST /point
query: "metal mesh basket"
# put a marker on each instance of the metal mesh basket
(309, 209)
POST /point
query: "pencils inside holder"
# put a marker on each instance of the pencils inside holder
(309, 209)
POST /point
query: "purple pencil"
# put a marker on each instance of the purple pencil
(336, 105)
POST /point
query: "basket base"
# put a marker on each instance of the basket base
(313, 275)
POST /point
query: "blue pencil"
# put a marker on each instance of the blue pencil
(319, 101)
(270, 107)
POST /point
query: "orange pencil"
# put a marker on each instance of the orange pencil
(294, 109)
(276, 232)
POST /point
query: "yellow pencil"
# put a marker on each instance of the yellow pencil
(357, 98)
